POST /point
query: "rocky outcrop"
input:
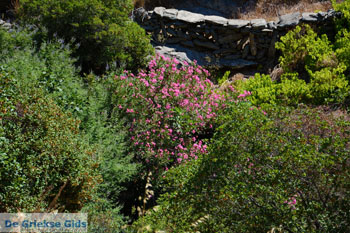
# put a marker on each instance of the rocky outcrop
(215, 40)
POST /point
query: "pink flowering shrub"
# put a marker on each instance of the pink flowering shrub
(169, 110)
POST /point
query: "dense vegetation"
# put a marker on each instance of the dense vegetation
(159, 147)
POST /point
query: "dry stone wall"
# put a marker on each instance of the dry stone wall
(215, 40)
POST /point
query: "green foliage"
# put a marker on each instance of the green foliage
(312, 72)
(224, 78)
(314, 59)
(107, 132)
(289, 91)
(9, 43)
(101, 29)
(342, 43)
(293, 90)
(44, 164)
(285, 170)
(103, 218)
(48, 67)
(262, 88)
(49, 70)
(302, 50)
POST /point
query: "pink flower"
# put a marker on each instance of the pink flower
(129, 110)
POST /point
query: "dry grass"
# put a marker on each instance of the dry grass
(252, 9)
(151, 4)
(271, 9)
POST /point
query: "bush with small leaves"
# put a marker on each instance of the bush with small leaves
(288, 170)
(102, 30)
(44, 164)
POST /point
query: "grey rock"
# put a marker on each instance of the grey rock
(190, 17)
(159, 11)
(226, 52)
(236, 63)
(149, 28)
(230, 38)
(163, 49)
(267, 30)
(207, 45)
(182, 54)
(309, 17)
(246, 50)
(252, 43)
(272, 25)
(7, 25)
(187, 43)
(332, 13)
(322, 14)
(258, 23)
(171, 31)
(233, 57)
(140, 14)
(216, 20)
(272, 49)
(237, 23)
(246, 29)
(289, 20)
(170, 13)
(174, 40)
(261, 54)
(241, 44)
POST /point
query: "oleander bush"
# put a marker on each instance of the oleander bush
(286, 171)
(103, 33)
(169, 110)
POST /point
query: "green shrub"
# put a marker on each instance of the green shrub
(293, 90)
(302, 49)
(107, 132)
(102, 30)
(44, 164)
(10, 41)
(314, 59)
(48, 67)
(312, 72)
(49, 70)
(287, 170)
(262, 89)
(342, 43)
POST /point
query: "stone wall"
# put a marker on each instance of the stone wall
(214, 40)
